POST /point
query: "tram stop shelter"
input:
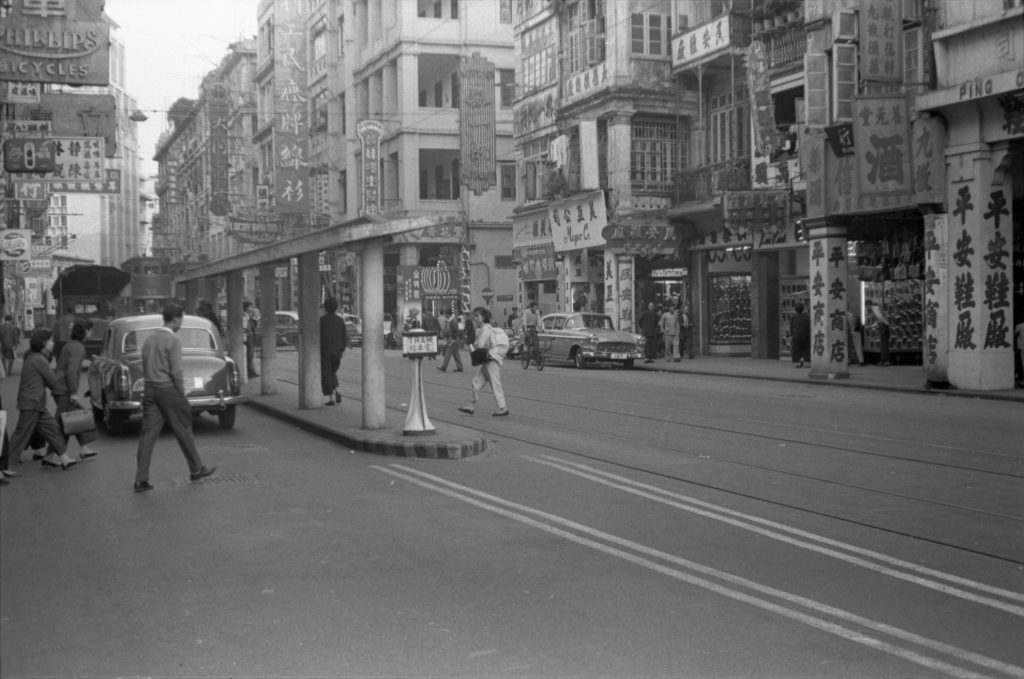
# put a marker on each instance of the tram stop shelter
(367, 236)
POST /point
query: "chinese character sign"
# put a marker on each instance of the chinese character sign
(477, 125)
(291, 128)
(370, 133)
(881, 34)
(928, 141)
(218, 111)
(882, 143)
(765, 134)
(702, 41)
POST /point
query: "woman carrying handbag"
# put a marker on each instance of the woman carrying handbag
(69, 369)
(36, 377)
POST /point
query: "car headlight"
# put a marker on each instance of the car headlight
(640, 340)
(593, 339)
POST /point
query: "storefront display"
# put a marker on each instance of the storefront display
(792, 289)
(730, 309)
(902, 303)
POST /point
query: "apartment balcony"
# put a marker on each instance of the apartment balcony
(710, 181)
(785, 45)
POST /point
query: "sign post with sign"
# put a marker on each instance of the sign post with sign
(417, 344)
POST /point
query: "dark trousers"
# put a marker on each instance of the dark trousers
(250, 353)
(652, 346)
(329, 364)
(883, 343)
(160, 405)
(30, 421)
(64, 405)
(686, 341)
(451, 350)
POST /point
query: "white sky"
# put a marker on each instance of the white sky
(169, 46)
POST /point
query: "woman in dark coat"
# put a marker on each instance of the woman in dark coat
(333, 339)
(69, 370)
(800, 331)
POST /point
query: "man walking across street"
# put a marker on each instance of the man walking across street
(648, 323)
(452, 349)
(164, 400)
(10, 337)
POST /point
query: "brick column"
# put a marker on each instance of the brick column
(980, 215)
(829, 348)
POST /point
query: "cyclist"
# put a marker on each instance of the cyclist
(531, 318)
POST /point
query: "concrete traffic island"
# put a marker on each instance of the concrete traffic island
(343, 426)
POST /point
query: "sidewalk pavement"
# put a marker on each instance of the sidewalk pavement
(343, 424)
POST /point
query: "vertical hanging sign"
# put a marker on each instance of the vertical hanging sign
(765, 134)
(291, 124)
(477, 126)
(219, 110)
(881, 31)
(370, 133)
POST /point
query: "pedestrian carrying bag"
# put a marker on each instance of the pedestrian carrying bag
(478, 356)
(76, 422)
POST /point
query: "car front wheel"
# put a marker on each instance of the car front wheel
(226, 417)
(628, 364)
(578, 359)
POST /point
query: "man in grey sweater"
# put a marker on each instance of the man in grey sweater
(164, 399)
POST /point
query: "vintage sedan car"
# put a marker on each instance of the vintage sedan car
(212, 382)
(353, 330)
(286, 328)
(584, 338)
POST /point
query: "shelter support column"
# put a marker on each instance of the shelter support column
(192, 294)
(310, 394)
(828, 268)
(371, 279)
(268, 333)
(980, 219)
(235, 332)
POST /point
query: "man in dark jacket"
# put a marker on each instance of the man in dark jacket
(333, 340)
(648, 322)
(800, 332)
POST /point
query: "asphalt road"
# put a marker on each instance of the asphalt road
(621, 524)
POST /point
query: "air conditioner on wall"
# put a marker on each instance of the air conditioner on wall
(844, 25)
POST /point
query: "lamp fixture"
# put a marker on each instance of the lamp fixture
(138, 116)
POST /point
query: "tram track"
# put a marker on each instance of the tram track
(566, 425)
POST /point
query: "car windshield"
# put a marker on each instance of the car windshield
(191, 338)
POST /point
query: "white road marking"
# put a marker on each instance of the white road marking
(722, 514)
(465, 494)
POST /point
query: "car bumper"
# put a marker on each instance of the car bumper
(595, 355)
(194, 403)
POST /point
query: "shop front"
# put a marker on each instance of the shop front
(533, 252)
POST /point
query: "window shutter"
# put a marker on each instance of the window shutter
(816, 88)
(531, 181)
(844, 79)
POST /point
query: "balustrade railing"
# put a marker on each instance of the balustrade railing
(705, 182)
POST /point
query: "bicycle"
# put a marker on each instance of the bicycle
(531, 351)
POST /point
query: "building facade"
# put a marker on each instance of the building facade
(208, 177)
(600, 132)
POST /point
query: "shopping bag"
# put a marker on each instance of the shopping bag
(76, 422)
(478, 356)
